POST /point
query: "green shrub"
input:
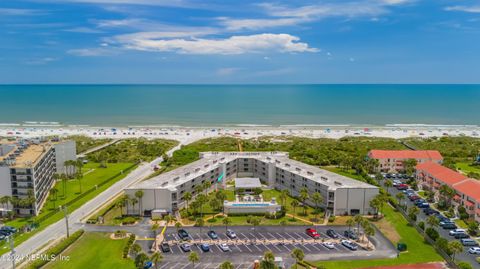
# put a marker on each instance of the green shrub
(56, 250)
(128, 220)
(127, 247)
(331, 219)
(477, 259)
(432, 233)
(464, 265)
(421, 225)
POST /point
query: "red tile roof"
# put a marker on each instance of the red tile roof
(441, 173)
(433, 155)
(469, 187)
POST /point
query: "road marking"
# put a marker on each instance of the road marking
(219, 248)
(313, 245)
(164, 266)
(247, 247)
(276, 247)
(184, 266)
(206, 266)
(237, 247)
(256, 247)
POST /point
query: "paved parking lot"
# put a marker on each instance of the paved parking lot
(252, 244)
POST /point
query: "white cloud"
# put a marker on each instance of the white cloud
(40, 61)
(283, 43)
(281, 15)
(227, 71)
(470, 9)
(89, 52)
(19, 12)
(171, 3)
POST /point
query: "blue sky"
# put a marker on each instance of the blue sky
(190, 41)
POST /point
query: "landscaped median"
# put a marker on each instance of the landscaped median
(418, 250)
(53, 252)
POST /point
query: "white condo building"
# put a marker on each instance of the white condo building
(27, 168)
(342, 195)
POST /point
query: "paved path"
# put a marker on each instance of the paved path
(97, 148)
(57, 230)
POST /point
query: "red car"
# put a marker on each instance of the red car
(401, 187)
(313, 233)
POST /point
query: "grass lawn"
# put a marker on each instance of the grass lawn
(89, 181)
(94, 250)
(467, 168)
(461, 224)
(418, 250)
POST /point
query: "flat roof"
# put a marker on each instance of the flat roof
(212, 160)
(247, 183)
(26, 153)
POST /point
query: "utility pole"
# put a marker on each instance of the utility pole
(12, 250)
(65, 212)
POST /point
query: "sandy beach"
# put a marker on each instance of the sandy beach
(190, 134)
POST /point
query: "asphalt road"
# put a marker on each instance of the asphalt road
(58, 230)
(464, 256)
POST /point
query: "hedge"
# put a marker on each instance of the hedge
(127, 247)
(55, 250)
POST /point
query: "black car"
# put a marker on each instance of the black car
(165, 247)
(5, 233)
(332, 234)
(419, 201)
(8, 229)
(442, 218)
(212, 234)
(350, 235)
(430, 211)
(183, 234)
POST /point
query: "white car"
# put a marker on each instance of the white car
(224, 247)
(457, 231)
(474, 250)
(329, 245)
(231, 234)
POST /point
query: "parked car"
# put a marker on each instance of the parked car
(350, 235)
(224, 247)
(413, 197)
(333, 234)
(396, 182)
(165, 247)
(474, 250)
(8, 229)
(442, 218)
(449, 226)
(212, 234)
(183, 234)
(456, 231)
(312, 233)
(231, 234)
(186, 247)
(419, 201)
(461, 236)
(402, 187)
(328, 245)
(2, 237)
(469, 242)
(349, 244)
(205, 247)
(430, 211)
(423, 205)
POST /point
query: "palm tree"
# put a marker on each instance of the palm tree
(187, 197)
(134, 201)
(455, 247)
(350, 222)
(294, 205)
(409, 166)
(125, 200)
(447, 193)
(178, 225)
(206, 185)
(226, 221)
(199, 223)
(358, 219)
(156, 258)
(136, 248)
(53, 192)
(317, 198)
(412, 212)
(79, 178)
(193, 258)
(283, 197)
(168, 218)
(298, 255)
(79, 165)
(226, 265)
(268, 260)
(388, 184)
(64, 184)
(400, 196)
(369, 231)
(198, 189)
(139, 195)
(433, 221)
(304, 197)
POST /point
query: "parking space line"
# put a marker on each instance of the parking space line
(164, 266)
(218, 247)
(206, 266)
(238, 267)
(185, 265)
(179, 249)
(237, 247)
(276, 247)
(256, 247)
(313, 245)
(247, 247)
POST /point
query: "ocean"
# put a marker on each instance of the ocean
(248, 105)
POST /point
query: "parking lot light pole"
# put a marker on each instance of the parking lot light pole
(12, 250)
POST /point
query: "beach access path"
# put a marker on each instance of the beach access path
(58, 229)
(83, 154)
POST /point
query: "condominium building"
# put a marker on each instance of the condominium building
(27, 168)
(342, 195)
(393, 160)
(431, 176)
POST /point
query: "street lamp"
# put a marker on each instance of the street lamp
(12, 249)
